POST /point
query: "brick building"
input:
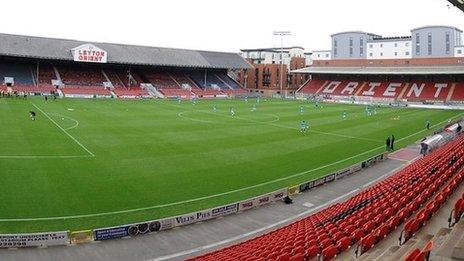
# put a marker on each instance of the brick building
(270, 65)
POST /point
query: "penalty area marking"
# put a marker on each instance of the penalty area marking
(65, 132)
(219, 194)
(76, 122)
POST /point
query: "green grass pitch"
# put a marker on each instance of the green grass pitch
(95, 163)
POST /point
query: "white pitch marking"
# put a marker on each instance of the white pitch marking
(65, 132)
(76, 122)
(44, 156)
(215, 195)
(271, 123)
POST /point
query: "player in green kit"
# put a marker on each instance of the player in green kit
(303, 126)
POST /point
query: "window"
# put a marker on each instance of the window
(381, 45)
(396, 44)
(326, 55)
(370, 54)
(351, 47)
(318, 55)
(406, 44)
(447, 40)
(407, 53)
(396, 54)
(370, 46)
(335, 48)
(459, 51)
(417, 44)
(361, 46)
(381, 54)
(429, 44)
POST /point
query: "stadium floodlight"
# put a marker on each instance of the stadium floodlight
(282, 34)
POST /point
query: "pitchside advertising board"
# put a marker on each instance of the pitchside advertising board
(89, 53)
(262, 200)
(168, 223)
(34, 239)
(164, 224)
(341, 173)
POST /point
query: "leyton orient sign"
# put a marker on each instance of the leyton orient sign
(89, 53)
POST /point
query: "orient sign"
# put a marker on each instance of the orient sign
(89, 53)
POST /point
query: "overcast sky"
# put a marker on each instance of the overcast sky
(220, 25)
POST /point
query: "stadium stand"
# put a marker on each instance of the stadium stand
(114, 79)
(46, 74)
(42, 88)
(412, 91)
(88, 90)
(228, 81)
(81, 76)
(420, 189)
(134, 92)
(21, 72)
(211, 81)
(177, 93)
(165, 68)
(161, 80)
(184, 81)
(313, 86)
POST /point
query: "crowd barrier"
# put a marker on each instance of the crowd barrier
(130, 230)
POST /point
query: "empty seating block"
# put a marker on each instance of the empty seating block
(366, 218)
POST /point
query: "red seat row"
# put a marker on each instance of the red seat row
(422, 216)
(365, 219)
(414, 90)
(420, 255)
(457, 212)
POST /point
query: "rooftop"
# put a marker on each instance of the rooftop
(60, 49)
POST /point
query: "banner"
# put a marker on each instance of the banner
(330, 178)
(306, 186)
(262, 200)
(225, 210)
(355, 168)
(319, 182)
(78, 237)
(293, 190)
(342, 173)
(192, 218)
(372, 161)
(279, 194)
(34, 239)
(132, 230)
(245, 205)
(89, 53)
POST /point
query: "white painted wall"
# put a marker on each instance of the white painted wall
(394, 49)
(321, 55)
(459, 51)
(269, 57)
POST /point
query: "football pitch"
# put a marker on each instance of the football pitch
(85, 164)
